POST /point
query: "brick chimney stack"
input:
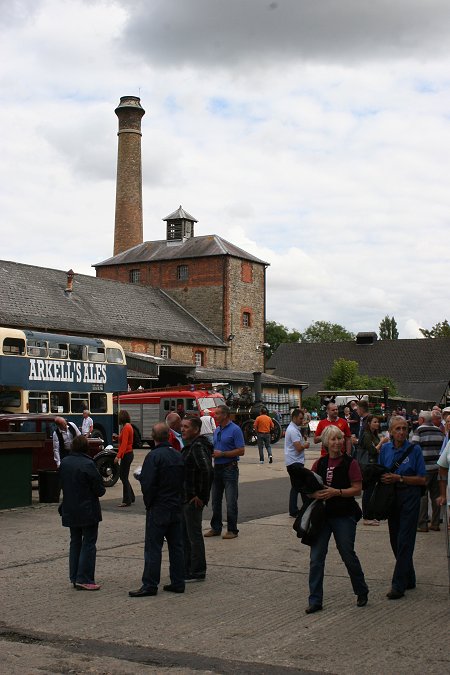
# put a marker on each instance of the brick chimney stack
(128, 230)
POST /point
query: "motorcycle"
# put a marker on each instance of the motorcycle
(109, 471)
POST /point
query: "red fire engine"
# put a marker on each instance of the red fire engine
(150, 406)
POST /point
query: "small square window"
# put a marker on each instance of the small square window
(135, 276)
(246, 319)
(165, 351)
(182, 272)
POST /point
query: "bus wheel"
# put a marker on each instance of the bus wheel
(108, 470)
(249, 434)
(137, 439)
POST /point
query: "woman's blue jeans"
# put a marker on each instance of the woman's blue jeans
(344, 532)
(226, 478)
(82, 554)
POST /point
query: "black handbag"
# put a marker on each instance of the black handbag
(382, 498)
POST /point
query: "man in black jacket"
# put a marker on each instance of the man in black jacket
(197, 454)
(80, 510)
(162, 478)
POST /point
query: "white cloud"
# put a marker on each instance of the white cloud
(313, 135)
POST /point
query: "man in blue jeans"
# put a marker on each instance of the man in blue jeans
(162, 479)
(229, 445)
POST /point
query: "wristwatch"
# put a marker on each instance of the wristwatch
(401, 479)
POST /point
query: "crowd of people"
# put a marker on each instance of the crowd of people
(185, 470)
(177, 479)
(413, 473)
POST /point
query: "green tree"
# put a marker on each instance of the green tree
(324, 331)
(276, 334)
(388, 329)
(437, 331)
(345, 375)
(311, 403)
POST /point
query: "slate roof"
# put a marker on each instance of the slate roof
(180, 214)
(420, 368)
(34, 297)
(194, 247)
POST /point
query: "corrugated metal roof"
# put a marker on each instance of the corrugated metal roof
(222, 375)
(194, 247)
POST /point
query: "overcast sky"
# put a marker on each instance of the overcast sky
(313, 134)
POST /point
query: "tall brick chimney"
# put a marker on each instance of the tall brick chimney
(128, 230)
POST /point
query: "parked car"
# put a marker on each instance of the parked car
(43, 457)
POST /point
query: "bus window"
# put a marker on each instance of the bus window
(180, 407)
(114, 355)
(166, 405)
(96, 354)
(98, 403)
(59, 402)
(38, 402)
(14, 346)
(10, 399)
(77, 352)
(57, 350)
(37, 348)
(79, 402)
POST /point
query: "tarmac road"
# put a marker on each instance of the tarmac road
(247, 617)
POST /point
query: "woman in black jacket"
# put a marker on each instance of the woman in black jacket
(368, 452)
(80, 510)
(342, 480)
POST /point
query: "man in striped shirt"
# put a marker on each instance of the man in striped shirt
(430, 438)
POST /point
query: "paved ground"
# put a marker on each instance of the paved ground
(248, 617)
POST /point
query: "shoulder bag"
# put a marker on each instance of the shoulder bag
(382, 498)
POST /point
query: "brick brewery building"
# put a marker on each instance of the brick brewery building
(216, 282)
(183, 307)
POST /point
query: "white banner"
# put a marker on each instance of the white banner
(67, 371)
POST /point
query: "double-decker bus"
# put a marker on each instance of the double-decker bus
(61, 374)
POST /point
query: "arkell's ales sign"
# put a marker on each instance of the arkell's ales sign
(67, 371)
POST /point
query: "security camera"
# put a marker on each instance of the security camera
(266, 344)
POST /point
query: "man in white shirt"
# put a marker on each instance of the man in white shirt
(294, 453)
(208, 426)
(87, 425)
(63, 436)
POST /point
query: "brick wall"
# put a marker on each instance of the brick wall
(213, 358)
(128, 230)
(217, 304)
(246, 297)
